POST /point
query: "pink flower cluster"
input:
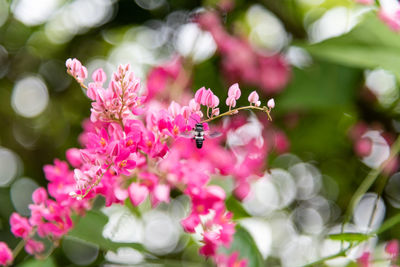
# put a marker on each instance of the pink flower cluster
(50, 218)
(241, 61)
(135, 152)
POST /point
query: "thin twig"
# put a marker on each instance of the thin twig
(234, 111)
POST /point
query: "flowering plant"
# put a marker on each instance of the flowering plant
(170, 171)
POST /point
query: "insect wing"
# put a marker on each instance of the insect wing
(214, 134)
(190, 134)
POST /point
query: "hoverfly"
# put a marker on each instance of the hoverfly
(198, 134)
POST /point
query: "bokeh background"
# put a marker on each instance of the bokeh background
(342, 90)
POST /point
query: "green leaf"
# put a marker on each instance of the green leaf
(48, 262)
(90, 228)
(323, 86)
(371, 44)
(388, 224)
(247, 248)
(236, 208)
(350, 237)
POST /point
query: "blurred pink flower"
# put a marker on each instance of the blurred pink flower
(6, 256)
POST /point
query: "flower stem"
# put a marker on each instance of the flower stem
(368, 181)
(341, 253)
(234, 111)
(18, 248)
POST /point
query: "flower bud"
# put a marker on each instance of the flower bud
(271, 103)
(234, 91)
(99, 76)
(253, 97)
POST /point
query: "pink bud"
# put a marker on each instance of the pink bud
(74, 157)
(253, 97)
(6, 256)
(137, 193)
(231, 101)
(39, 196)
(199, 95)
(215, 112)
(271, 103)
(234, 91)
(99, 76)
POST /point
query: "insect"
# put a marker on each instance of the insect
(198, 134)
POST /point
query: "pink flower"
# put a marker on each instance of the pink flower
(34, 247)
(282, 143)
(160, 193)
(366, 2)
(20, 226)
(242, 190)
(363, 146)
(56, 172)
(392, 248)
(75, 68)
(254, 99)
(230, 260)
(39, 196)
(234, 91)
(6, 256)
(189, 223)
(210, 244)
(74, 157)
(390, 16)
(364, 260)
(174, 109)
(160, 77)
(137, 193)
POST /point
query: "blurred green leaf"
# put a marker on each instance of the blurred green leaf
(371, 44)
(244, 244)
(236, 208)
(90, 229)
(323, 86)
(350, 237)
(388, 224)
(48, 262)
